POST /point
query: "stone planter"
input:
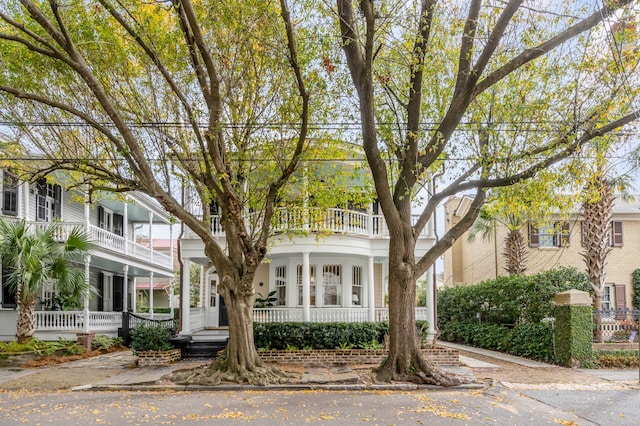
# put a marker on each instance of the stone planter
(153, 358)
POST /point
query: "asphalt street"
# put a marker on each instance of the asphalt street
(494, 406)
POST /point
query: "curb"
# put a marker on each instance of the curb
(401, 387)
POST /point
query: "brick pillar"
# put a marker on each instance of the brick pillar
(573, 336)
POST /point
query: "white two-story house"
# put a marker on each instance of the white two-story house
(340, 254)
(113, 266)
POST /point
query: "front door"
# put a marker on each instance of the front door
(212, 316)
(223, 319)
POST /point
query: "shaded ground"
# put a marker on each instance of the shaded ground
(119, 369)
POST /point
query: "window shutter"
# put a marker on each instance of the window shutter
(100, 291)
(616, 233)
(565, 233)
(118, 224)
(8, 295)
(583, 241)
(620, 295)
(118, 285)
(534, 239)
(100, 217)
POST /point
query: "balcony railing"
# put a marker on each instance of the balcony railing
(330, 221)
(110, 241)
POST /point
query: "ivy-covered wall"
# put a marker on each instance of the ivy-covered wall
(635, 281)
(574, 335)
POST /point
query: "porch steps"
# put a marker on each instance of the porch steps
(204, 348)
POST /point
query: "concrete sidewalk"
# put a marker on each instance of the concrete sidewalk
(629, 376)
(117, 371)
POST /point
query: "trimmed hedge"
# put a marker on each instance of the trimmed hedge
(301, 335)
(635, 280)
(507, 314)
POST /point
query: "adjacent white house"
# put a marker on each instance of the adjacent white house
(112, 268)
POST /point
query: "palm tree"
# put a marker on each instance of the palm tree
(597, 207)
(515, 252)
(38, 259)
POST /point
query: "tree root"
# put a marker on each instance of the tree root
(217, 372)
(422, 371)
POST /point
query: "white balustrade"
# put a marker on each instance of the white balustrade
(352, 314)
(59, 320)
(105, 321)
(321, 220)
(196, 319)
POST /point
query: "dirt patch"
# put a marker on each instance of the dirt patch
(45, 361)
(59, 379)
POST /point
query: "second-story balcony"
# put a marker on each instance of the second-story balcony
(329, 221)
(112, 242)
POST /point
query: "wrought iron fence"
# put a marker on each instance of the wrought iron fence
(131, 320)
(615, 325)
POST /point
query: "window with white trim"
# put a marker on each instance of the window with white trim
(332, 285)
(281, 285)
(552, 234)
(356, 286)
(48, 201)
(312, 285)
(9, 194)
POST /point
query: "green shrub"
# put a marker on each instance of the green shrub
(104, 342)
(507, 314)
(281, 335)
(617, 359)
(151, 338)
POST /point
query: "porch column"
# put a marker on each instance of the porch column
(125, 289)
(85, 323)
(431, 306)
(151, 236)
(134, 294)
(125, 227)
(25, 200)
(87, 212)
(203, 280)
(151, 294)
(171, 296)
(306, 287)
(371, 290)
(171, 246)
(185, 309)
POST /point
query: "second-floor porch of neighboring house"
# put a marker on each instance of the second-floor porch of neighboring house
(360, 223)
(111, 224)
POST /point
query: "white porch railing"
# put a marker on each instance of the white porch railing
(331, 220)
(59, 320)
(110, 241)
(104, 321)
(74, 321)
(196, 319)
(327, 314)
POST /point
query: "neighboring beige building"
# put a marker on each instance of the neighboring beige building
(547, 247)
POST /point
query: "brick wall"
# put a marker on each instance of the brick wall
(152, 358)
(437, 355)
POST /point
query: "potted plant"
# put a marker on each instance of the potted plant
(151, 345)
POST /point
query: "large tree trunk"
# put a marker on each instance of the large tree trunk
(26, 324)
(405, 360)
(239, 362)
